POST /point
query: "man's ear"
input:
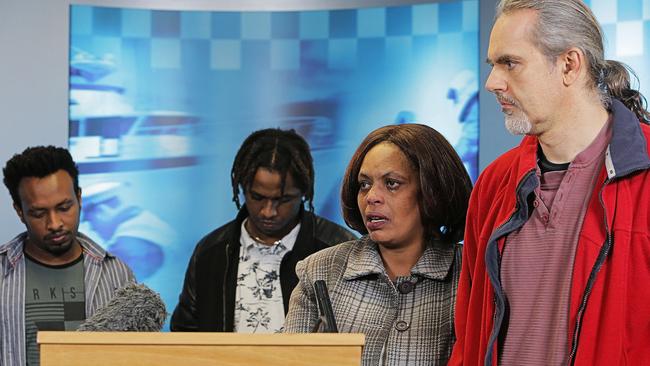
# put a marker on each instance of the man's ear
(572, 62)
(19, 212)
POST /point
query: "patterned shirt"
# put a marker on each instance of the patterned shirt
(258, 302)
(406, 322)
(103, 274)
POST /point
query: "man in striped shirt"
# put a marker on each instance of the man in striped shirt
(51, 276)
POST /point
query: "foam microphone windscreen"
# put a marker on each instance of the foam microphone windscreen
(135, 307)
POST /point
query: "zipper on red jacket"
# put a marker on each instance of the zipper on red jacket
(602, 255)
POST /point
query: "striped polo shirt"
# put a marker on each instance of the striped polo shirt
(537, 261)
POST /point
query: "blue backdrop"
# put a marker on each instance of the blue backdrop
(161, 100)
(626, 24)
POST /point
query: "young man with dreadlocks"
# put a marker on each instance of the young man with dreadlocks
(241, 275)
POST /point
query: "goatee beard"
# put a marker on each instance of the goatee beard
(518, 125)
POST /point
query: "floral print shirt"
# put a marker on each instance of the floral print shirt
(258, 303)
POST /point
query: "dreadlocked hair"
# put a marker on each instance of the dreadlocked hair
(283, 151)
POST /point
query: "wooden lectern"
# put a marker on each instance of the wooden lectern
(190, 349)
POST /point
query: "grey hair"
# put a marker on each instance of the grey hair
(562, 24)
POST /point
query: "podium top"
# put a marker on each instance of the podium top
(201, 338)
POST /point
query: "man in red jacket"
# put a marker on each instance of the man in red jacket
(556, 262)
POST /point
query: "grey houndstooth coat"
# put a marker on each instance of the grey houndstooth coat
(403, 324)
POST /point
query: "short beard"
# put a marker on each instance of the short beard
(518, 125)
(515, 125)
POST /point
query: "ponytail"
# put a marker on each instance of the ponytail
(614, 81)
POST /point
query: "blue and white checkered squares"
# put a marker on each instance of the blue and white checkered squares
(612, 11)
(623, 24)
(626, 24)
(337, 39)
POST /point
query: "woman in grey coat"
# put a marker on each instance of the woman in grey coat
(407, 191)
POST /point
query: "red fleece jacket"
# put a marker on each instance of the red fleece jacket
(609, 314)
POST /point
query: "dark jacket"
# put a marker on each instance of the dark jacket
(207, 302)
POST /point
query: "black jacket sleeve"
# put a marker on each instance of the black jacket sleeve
(186, 315)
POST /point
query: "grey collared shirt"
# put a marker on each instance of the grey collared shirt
(103, 274)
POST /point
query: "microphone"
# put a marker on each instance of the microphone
(326, 319)
(134, 308)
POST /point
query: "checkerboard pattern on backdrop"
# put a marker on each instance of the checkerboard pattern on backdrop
(336, 39)
(626, 24)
